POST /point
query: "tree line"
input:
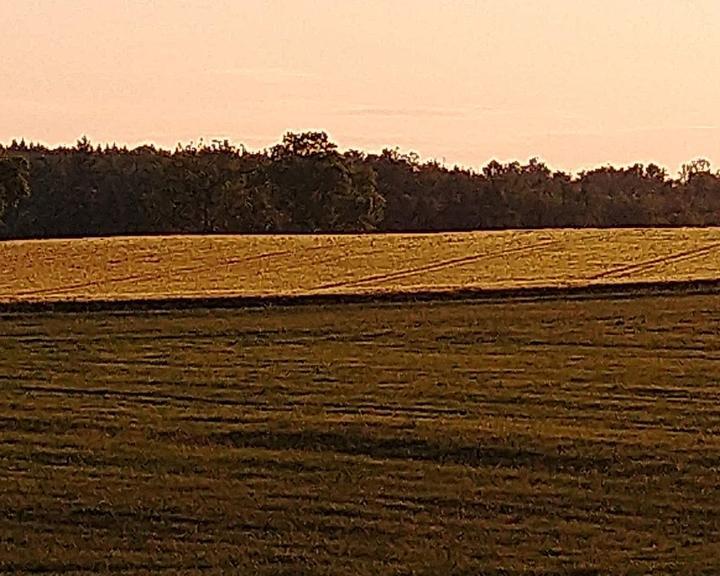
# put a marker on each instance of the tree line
(305, 184)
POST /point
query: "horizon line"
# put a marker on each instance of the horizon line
(342, 149)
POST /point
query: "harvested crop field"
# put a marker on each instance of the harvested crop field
(548, 437)
(133, 269)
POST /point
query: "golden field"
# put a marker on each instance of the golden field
(256, 266)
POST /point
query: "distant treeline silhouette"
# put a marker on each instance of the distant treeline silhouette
(305, 184)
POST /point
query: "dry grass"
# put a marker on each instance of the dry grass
(532, 438)
(139, 268)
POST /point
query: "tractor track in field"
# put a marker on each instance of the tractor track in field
(281, 253)
(150, 396)
(339, 270)
(438, 265)
(153, 274)
(645, 265)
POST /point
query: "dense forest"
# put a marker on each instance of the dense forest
(305, 184)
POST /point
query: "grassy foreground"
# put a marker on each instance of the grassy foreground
(448, 438)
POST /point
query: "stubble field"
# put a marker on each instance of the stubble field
(132, 269)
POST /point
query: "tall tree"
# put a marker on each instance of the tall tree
(320, 189)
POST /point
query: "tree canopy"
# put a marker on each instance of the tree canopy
(14, 185)
(305, 184)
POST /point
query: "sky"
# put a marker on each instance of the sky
(577, 83)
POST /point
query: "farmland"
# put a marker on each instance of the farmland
(196, 267)
(549, 437)
(493, 434)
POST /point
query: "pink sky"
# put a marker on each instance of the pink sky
(575, 82)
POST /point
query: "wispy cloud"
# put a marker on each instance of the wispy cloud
(631, 130)
(673, 128)
(265, 74)
(403, 112)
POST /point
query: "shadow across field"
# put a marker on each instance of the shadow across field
(544, 436)
(353, 442)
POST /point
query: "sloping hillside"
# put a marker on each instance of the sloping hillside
(257, 266)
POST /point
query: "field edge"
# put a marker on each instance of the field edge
(597, 291)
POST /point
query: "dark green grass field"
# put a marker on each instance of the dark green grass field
(554, 437)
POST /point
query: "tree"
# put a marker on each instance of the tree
(320, 190)
(14, 185)
(693, 169)
(701, 191)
